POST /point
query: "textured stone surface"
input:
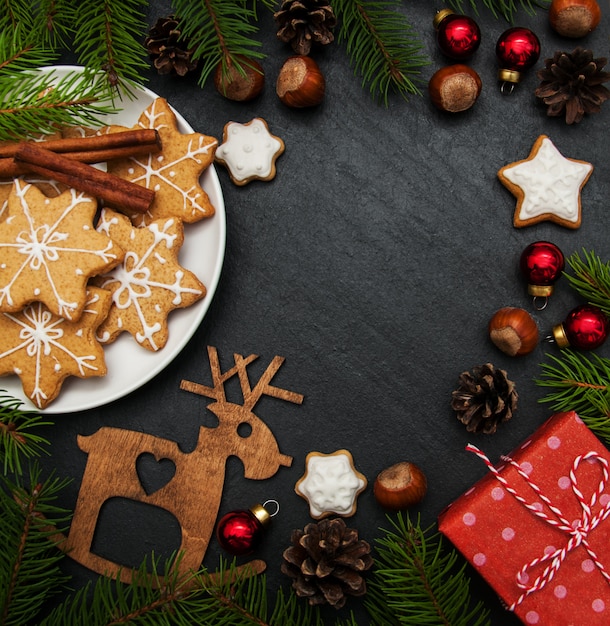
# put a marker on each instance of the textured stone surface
(372, 262)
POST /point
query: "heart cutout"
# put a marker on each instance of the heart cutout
(154, 473)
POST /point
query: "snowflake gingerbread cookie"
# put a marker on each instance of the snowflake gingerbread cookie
(44, 349)
(49, 249)
(149, 284)
(331, 484)
(174, 172)
(249, 151)
(547, 186)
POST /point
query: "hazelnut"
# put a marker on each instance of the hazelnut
(300, 82)
(574, 18)
(513, 331)
(454, 88)
(239, 83)
(400, 486)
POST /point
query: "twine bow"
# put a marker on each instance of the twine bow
(577, 531)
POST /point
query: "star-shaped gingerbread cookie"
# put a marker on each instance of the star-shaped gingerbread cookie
(150, 283)
(43, 349)
(547, 186)
(331, 484)
(49, 249)
(249, 151)
(173, 172)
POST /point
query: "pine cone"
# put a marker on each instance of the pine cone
(303, 22)
(572, 84)
(326, 561)
(168, 52)
(484, 399)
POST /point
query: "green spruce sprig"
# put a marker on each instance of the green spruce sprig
(382, 45)
(418, 580)
(581, 383)
(501, 8)
(18, 437)
(29, 559)
(108, 39)
(590, 278)
(161, 595)
(35, 102)
(222, 32)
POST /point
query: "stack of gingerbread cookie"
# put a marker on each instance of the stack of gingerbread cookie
(86, 254)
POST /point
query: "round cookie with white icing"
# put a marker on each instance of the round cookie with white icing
(249, 151)
(331, 484)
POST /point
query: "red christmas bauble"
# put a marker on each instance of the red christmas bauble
(239, 532)
(541, 264)
(517, 50)
(585, 328)
(458, 36)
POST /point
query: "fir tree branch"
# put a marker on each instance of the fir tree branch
(382, 46)
(416, 580)
(39, 102)
(18, 441)
(501, 8)
(591, 279)
(108, 36)
(219, 31)
(29, 571)
(580, 383)
(159, 595)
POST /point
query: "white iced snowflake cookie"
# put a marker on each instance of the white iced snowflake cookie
(547, 186)
(249, 151)
(331, 484)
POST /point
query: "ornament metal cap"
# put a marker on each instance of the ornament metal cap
(440, 16)
(540, 290)
(262, 515)
(509, 76)
(559, 334)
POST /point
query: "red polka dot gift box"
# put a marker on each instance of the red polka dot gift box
(537, 525)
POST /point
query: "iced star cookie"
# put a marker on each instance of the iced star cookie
(149, 284)
(49, 249)
(173, 173)
(331, 484)
(547, 186)
(249, 151)
(44, 349)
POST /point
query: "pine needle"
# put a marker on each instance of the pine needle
(382, 45)
(18, 441)
(219, 30)
(581, 383)
(591, 279)
(417, 580)
(38, 102)
(107, 39)
(501, 8)
(29, 559)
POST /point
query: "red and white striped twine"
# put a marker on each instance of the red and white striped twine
(578, 531)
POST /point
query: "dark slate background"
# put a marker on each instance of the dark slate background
(372, 263)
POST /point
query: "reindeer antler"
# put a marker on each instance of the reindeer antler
(251, 395)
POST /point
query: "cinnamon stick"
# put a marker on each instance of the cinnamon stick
(114, 191)
(94, 149)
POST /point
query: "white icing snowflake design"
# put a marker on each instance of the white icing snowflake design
(37, 250)
(48, 340)
(141, 275)
(187, 154)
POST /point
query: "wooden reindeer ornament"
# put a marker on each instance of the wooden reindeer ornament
(194, 493)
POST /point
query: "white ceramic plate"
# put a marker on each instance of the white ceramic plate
(129, 365)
